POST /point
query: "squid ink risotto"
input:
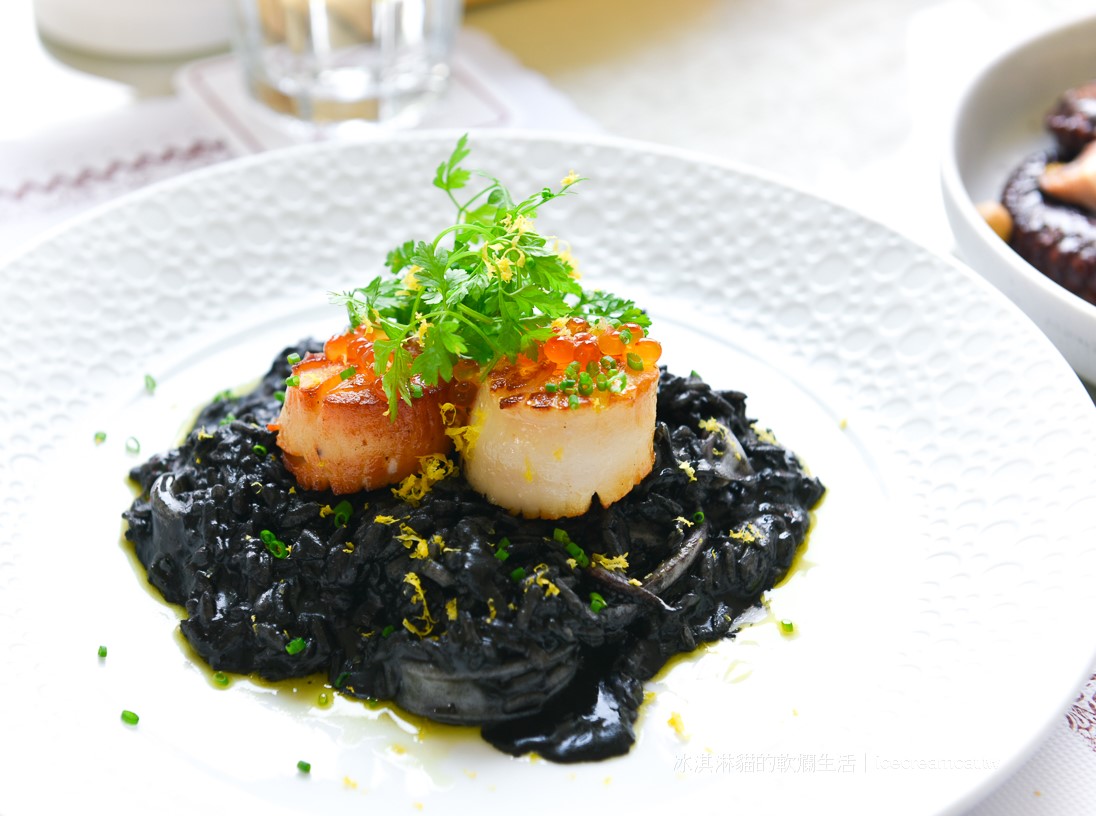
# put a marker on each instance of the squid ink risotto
(485, 500)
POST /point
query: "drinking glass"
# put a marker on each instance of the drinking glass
(336, 61)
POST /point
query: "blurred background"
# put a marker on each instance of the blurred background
(844, 96)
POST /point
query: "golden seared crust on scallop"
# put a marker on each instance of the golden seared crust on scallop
(335, 432)
(547, 453)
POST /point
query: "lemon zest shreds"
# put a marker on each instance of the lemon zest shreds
(464, 436)
(326, 511)
(544, 583)
(451, 609)
(380, 519)
(683, 520)
(448, 413)
(689, 470)
(432, 469)
(419, 546)
(748, 534)
(617, 562)
(419, 597)
(677, 725)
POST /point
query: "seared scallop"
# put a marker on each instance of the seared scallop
(335, 429)
(577, 423)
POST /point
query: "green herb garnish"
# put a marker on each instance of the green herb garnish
(296, 646)
(342, 513)
(487, 288)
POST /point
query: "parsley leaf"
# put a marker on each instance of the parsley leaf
(486, 288)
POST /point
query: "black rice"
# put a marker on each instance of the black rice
(541, 632)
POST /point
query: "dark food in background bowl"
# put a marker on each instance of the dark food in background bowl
(1056, 236)
(520, 626)
(1073, 119)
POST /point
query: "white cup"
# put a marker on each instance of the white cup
(136, 28)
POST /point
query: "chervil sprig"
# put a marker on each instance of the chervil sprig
(487, 287)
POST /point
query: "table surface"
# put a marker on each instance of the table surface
(846, 98)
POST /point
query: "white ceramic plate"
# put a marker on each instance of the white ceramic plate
(997, 121)
(936, 612)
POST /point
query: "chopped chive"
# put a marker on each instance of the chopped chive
(340, 679)
(228, 418)
(572, 369)
(388, 630)
(342, 513)
(133, 446)
(560, 535)
(577, 553)
(304, 767)
(787, 626)
(150, 383)
(602, 382)
(293, 381)
(608, 363)
(597, 603)
(347, 373)
(296, 646)
(259, 450)
(591, 368)
(501, 554)
(220, 678)
(517, 574)
(129, 718)
(551, 387)
(586, 388)
(573, 401)
(277, 549)
(293, 358)
(567, 382)
(266, 536)
(694, 375)
(635, 362)
(699, 516)
(625, 336)
(222, 396)
(102, 651)
(279, 396)
(100, 437)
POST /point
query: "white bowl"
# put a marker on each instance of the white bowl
(997, 121)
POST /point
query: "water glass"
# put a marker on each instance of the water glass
(338, 61)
